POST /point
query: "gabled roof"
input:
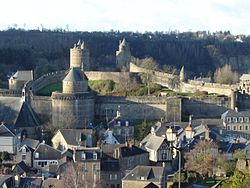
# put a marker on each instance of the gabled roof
(147, 173)
(27, 117)
(233, 113)
(4, 131)
(89, 154)
(46, 152)
(21, 168)
(23, 75)
(152, 142)
(75, 75)
(73, 136)
(31, 143)
(9, 109)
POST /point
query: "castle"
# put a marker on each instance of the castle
(76, 106)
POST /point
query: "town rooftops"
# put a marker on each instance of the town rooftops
(146, 173)
(23, 75)
(233, 113)
(152, 142)
(46, 152)
(31, 143)
(84, 154)
(73, 136)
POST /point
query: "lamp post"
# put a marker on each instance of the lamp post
(179, 151)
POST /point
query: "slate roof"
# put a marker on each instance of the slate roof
(245, 77)
(8, 179)
(110, 165)
(9, 109)
(21, 168)
(233, 113)
(46, 152)
(31, 143)
(152, 142)
(147, 173)
(151, 185)
(30, 182)
(89, 154)
(27, 117)
(4, 131)
(75, 75)
(23, 75)
(126, 151)
(72, 136)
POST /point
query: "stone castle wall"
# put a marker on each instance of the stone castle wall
(209, 87)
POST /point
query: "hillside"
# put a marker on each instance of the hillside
(46, 51)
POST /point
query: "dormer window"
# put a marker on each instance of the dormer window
(241, 119)
(229, 119)
(95, 156)
(36, 155)
(246, 119)
(23, 150)
(235, 119)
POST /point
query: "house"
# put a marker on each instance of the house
(65, 139)
(109, 138)
(122, 129)
(7, 181)
(18, 113)
(160, 151)
(110, 173)
(89, 161)
(145, 176)
(47, 158)
(22, 169)
(235, 120)
(129, 156)
(25, 151)
(8, 139)
(245, 83)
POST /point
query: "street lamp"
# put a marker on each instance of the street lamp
(179, 151)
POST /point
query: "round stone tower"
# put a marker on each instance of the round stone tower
(79, 56)
(74, 107)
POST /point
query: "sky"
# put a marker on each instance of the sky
(128, 15)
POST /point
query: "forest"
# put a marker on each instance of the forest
(48, 50)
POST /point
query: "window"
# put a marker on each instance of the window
(95, 156)
(235, 119)
(129, 163)
(246, 119)
(229, 119)
(164, 156)
(23, 150)
(83, 156)
(228, 127)
(23, 157)
(234, 128)
(240, 128)
(241, 119)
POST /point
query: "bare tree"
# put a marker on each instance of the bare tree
(127, 83)
(225, 75)
(150, 65)
(202, 159)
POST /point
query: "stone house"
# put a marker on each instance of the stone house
(236, 120)
(19, 79)
(8, 140)
(25, 151)
(130, 156)
(89, 160)
(160, 151)
(110, 173)
(48, 159)
(65, 139)
(145, 176)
